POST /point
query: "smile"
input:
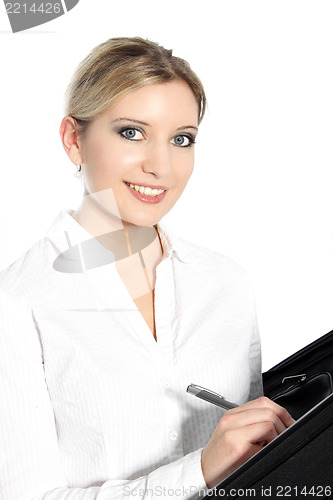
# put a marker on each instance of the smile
(146, 190)
(146, 194)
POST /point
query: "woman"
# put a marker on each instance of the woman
(106, 320)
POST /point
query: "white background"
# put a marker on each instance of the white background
(262, 185)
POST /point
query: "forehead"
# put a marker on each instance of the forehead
(173, 102)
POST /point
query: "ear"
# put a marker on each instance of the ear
(69, 138)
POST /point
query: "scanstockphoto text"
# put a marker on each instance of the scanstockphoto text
(283, 491)
(184, 492)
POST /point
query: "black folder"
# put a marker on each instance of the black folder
(304, 379)
(299, 462)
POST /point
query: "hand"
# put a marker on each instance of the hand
(239, 435)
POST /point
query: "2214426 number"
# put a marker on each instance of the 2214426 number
(295, 491)
(35, 8)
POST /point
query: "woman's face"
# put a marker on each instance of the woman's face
(145, 140)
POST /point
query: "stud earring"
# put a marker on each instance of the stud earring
(77, 174)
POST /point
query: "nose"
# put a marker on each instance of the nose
(158, 160)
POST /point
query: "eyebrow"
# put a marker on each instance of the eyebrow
(130, 120)
(125, 119)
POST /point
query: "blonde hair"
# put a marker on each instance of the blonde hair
(119, 66)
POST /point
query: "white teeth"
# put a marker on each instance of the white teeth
(146, 190)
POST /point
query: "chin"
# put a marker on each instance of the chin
(141, 220)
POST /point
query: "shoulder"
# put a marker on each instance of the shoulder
(28, 271)
(208, 259)
(211, 272)
(31, 276)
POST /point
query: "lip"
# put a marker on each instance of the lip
(145, 198)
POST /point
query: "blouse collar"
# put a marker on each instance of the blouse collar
(65, 231)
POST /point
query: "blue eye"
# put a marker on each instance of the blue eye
(183, 141)
(131, 133)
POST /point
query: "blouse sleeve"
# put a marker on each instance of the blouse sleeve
(30, 465)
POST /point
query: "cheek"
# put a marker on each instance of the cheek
(123, 159)
(184, 169)
(113, 159)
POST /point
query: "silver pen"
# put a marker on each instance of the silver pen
(210, 396)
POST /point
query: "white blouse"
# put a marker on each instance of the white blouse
(92, 407)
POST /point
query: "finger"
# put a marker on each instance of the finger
(262, 443)
(257, 434)
(252, 416)
(264, 402)
(282, 413)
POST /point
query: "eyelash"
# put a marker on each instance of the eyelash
(188, 136)
(124, 129)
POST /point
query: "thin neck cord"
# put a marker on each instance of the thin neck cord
(141, 258)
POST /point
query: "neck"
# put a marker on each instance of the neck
(96, 217)
(100, 218)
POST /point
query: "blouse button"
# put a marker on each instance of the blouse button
(165, 382)
(173, 436)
